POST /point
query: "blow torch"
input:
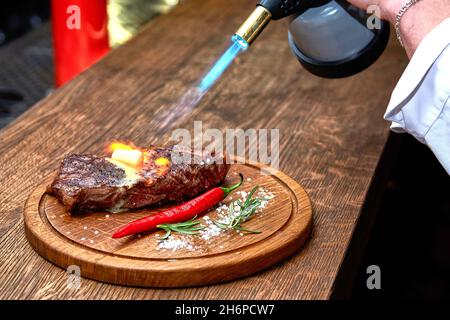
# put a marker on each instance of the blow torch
(330, 38)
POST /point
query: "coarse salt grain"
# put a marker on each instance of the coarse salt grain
(175, 244)
(210, 231)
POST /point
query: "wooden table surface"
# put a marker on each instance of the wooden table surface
(331, 138)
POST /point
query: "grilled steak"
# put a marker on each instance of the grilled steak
(93, 182)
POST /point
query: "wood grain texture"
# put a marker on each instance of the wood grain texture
(85, 239)
(331, 138)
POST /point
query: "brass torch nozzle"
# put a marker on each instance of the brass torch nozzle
(254, 24)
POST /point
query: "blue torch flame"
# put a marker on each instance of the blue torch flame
(238, 45)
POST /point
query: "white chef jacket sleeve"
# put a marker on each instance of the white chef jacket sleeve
(420, 103)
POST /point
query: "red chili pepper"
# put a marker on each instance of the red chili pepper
(179, 213)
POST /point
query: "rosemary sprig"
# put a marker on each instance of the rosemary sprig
(189, 227)
(239, 212)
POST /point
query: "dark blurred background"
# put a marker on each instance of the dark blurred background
(410, 239)
(19, 17)
(25, 62)
(26, 57)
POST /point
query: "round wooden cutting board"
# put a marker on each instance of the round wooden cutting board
(143, 260)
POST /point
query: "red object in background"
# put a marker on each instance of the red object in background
(80, 36)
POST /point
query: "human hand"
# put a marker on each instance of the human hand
(416, 23)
